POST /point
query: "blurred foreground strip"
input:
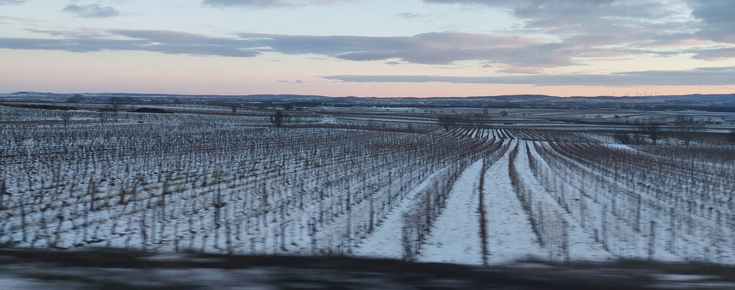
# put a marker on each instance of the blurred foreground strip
(113, 269)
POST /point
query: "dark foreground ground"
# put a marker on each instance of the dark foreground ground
(105, 269)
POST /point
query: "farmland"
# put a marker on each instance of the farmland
(476, 189)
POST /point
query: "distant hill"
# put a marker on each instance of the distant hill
(515, 97)
(695, 98)
(702, 98)
(137, 95)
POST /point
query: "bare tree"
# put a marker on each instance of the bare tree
(288, 106)
(639, 138)
(653, 131)
(279, 118)
(75, 99)
(732, 135)
(623, 138)
(447, 122)
(117, 103)
(233, 108)
(66, 117)
(688, 128)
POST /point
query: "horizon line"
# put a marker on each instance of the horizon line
(364, 97)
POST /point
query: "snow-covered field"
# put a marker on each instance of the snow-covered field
(229, 184)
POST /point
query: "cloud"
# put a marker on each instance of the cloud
(438, 48)
(426, 48)
(547, 13)
(594, 23)
(91, 11)
(698, 77)
(714, 54)
(587, 24)
(601, 28)
(162, 41)
(24, 21)
(408, 15)
(269, 3)
(12, 2)
(717, 17)
(514, 54)
(296, 82)
(620, 28)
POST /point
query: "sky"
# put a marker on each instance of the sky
(366, 48)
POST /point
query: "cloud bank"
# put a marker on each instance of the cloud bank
(718, 76)
(91, 11)
(269, 3)
(718, 19)
(12, 2)
(428, 48)
(516, 54)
